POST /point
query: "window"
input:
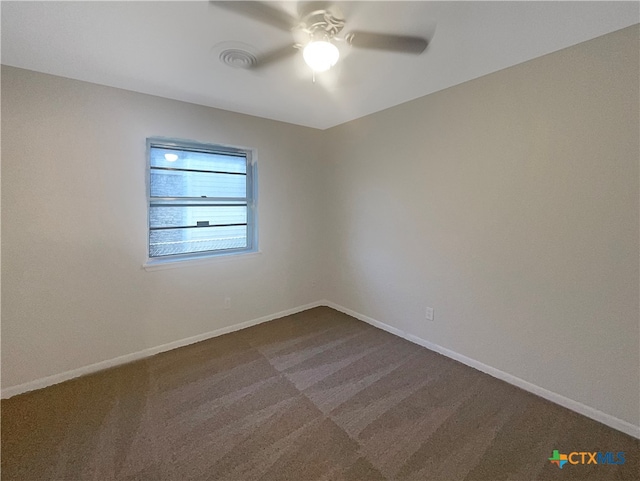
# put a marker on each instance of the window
(201, 200)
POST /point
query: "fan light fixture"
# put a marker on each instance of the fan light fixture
(170, 157)
(316, 31)
(320, 55)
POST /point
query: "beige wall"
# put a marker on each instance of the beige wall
(509, 204)
(74, 226)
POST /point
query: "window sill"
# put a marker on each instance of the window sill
(160, 264)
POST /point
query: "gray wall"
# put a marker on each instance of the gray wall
(509, 204)
(75, 226)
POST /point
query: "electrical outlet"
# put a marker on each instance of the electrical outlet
(429, 313)
(227, 303)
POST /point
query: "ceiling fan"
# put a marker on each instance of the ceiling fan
(319, 28)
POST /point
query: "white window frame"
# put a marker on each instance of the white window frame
(251, 197)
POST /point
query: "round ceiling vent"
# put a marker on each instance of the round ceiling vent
(238, 58)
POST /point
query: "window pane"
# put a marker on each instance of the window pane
(160, 216)
(175, 183)
(183, 241)
(200, 198)
(197, 160)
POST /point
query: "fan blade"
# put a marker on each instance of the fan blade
(275, 56)
(382, 41)
(261, 12)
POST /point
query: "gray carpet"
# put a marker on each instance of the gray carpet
(313, 396)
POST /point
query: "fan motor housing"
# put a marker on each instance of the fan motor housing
(322, 22)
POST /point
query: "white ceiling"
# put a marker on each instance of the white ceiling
(171, 49)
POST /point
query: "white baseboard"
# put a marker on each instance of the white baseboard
(596, 415)
(99, 366)
(563, 401)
